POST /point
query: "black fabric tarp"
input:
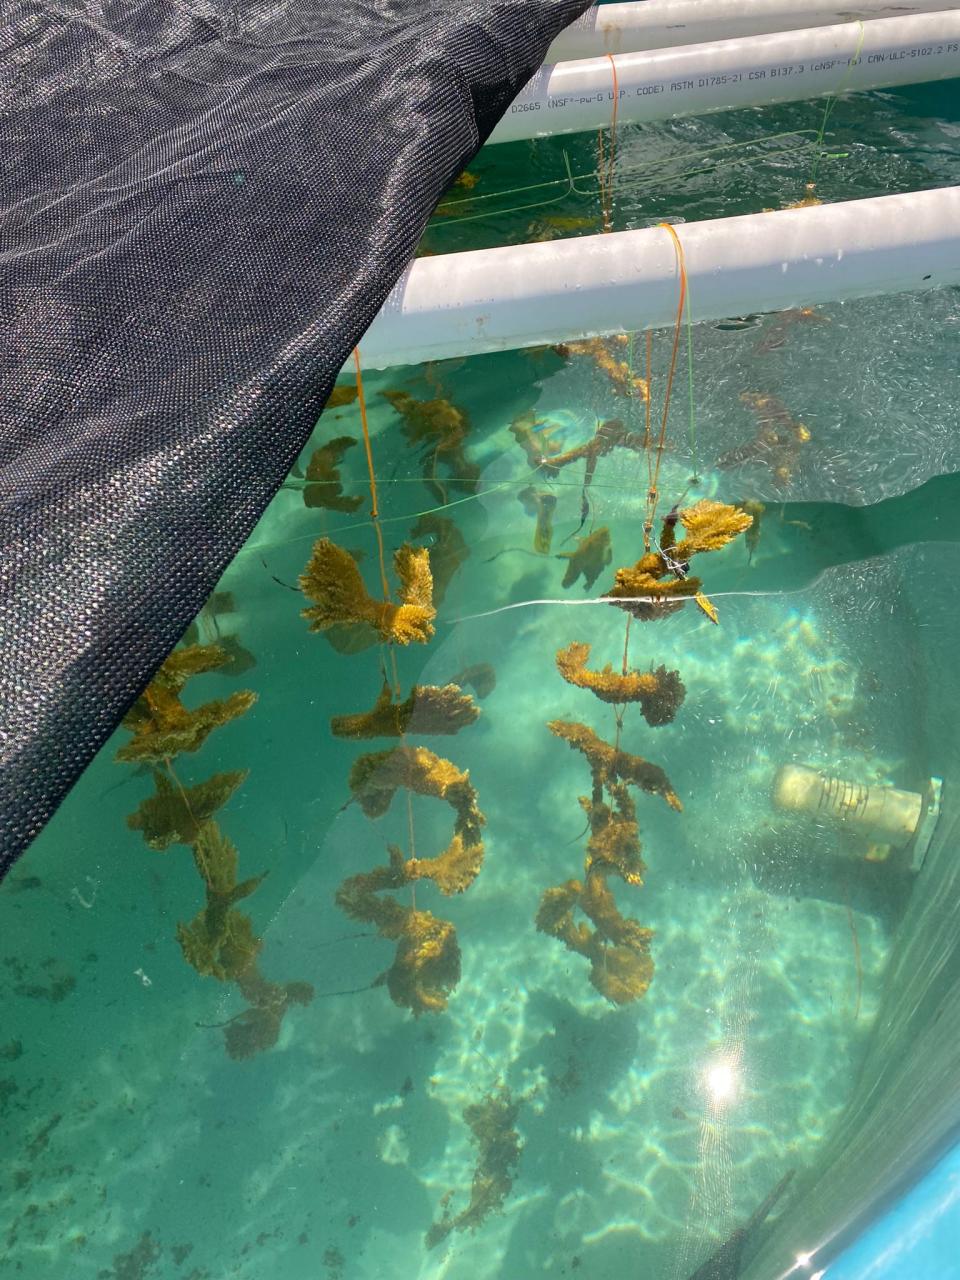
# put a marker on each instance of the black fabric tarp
(203, 206)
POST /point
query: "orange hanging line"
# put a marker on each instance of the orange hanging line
(653, 491)
(374, 506)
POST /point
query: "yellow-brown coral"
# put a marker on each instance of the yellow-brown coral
(708, 526)
(427, 964)
(659, 692)
(324, 487)
(429, 709)
(608, 765)
(492, 1122)
(333, 580)
(606, 355)
(162, 726)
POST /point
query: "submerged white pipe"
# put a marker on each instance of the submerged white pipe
(785, 67)
(664, 24)
(463, 304)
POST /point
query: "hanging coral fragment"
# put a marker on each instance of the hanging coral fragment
(426, 967)
(333, 581)
(641, 589)
(659, 692)
(609, 356)
(220, 942)
(161, 725)
(429, 709)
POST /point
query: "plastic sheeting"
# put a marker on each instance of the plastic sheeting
(202, 206)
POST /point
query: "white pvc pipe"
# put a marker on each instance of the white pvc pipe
(786, 67)
(525, 295)
(664, 24)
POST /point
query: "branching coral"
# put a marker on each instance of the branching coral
(162, 726)
(492, 1122)
(325, 487)
(540, 504)
(617, 947)
(176, 814)
(429, 709)
(442, 429)
(592, 555)
(708, 526)
(426, 967)
(779, 440)
(659, 692)
(333, 580)
(607, 355)
(447, 549)
(609, 765)
(376, 778)
(220, 941)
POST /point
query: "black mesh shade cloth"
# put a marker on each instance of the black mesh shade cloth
(203, 205)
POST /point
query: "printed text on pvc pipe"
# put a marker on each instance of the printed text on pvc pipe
(796, 69)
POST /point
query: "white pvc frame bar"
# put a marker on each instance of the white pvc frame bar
(526, 295)
(664, 24)
(754, 71)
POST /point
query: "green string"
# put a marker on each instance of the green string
(830, 105)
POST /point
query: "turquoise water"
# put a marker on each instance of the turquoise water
(135, 1147)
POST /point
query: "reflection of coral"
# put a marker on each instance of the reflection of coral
(427, 964)
(659, 692)
(708, 526)
(162, 726)
(492, 1124)
(333, 580)
(447, 549)
(341, 395)
(591, 557)
(480, 676)
(778, 442)
(258, 1028)
(428, 709)
(532, 434)
(609, 765)
(442, 428)
(323, 472)
(540, 504)
(175, 814)
(606, 354)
